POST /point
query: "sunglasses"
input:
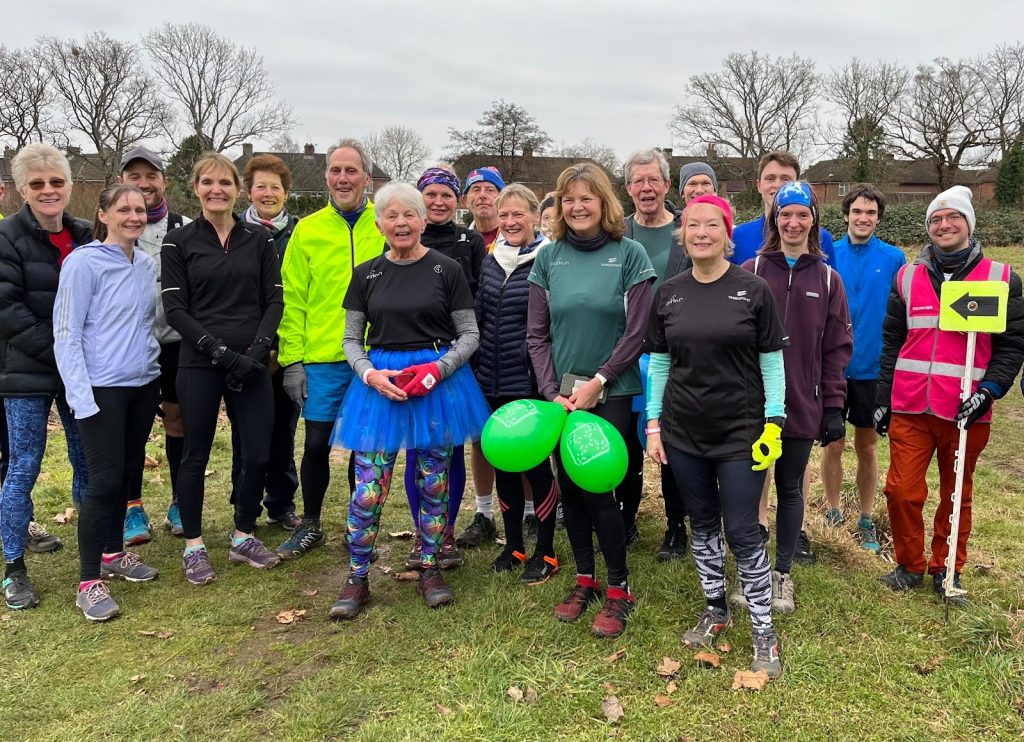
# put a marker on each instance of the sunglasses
(38, 185)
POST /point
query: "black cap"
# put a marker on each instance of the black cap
(142, 153)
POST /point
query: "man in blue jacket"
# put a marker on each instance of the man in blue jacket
(867, 266)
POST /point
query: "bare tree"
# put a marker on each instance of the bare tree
(397, 150)
(755, 104)
(602, 154)
(104, 94)
(505, 131)
(26, 101)
(223, 89)
(285, 142)
(1003, 73)
(943, 118)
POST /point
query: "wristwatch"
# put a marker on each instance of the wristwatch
(780, 421)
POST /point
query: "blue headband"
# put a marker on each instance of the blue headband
(794, 193)
(440, 176)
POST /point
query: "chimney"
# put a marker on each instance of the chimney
(9, 153)
(712, 155)
(527, 151)
(308, 149)
(74, 150)
(667, 151)
(247, 150)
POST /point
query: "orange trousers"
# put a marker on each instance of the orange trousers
(913, 440)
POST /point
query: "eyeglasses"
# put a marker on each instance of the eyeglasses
(654, 182)
(38, 185)
(953, 218)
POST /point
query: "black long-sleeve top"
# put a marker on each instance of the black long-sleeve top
(232, 291)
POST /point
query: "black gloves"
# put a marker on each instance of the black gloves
(974, 407)
(883, 414)
(240, 368)
(259, 351)
(833, 426)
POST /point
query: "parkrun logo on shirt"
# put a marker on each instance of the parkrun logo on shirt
(560, 261)
(740, 296)
(373, 274)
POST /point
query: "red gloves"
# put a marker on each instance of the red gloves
(426, 376)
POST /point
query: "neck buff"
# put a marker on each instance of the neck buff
(275, 225)
(587, 244)
(950, 262)
(351, 216)
(157, 214)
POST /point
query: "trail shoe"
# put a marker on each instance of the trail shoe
(449, 556)
(41, 542)
(674, 544)
(868, 535)
(352, 598)
(900, 579)
(610, 621)
(531, 524)
(539, 569)
(416, 555)
(288, 520)
(431, 586)
(960, 601)
(252, 552)
(128, 566)
(834, 517)
(764, 533)
(783, 593)
(586, 591)
(95, 602)
(198, 570)
(480, 529)
(804, 554)
(766, 653)
(508, 560)
(303, 539)
(19, 592)
(737, 600)
(713, 621)
(136, 526)
(173, 520)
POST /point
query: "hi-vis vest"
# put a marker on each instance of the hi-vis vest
(931, 363)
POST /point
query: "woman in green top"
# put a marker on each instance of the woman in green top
(590, 297)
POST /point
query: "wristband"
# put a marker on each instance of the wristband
(649, 431)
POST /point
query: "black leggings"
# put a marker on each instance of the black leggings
(587, 513)
(315, 469)
(114, 440)
(200, 391)
(789, 488)
(630, 492)
(512, 499)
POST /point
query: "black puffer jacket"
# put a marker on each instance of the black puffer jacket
(462, 245)
(29, 273)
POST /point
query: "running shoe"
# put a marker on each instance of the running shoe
(41, 542)
(19, 592)
(585, 592)
(736, 598)
(173, 520)
(288, 520)
(783, 592)
(95, 602)
(415, 557)
(449, 556)
(674, 544)
(136, 526)
(352, 598)
(713, 621)
(431, 586)
(539, 569)
(128, 566)
(900, 579)
(480, 529)
(804, 554)
(610, 621)
(302, 540)
(868, 535)
(198, 570)
(251, 551)
(508, 560)
(834, 517)
(938, 578)
(766, 653)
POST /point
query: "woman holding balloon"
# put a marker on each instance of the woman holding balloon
(590, 298)
(716, 407)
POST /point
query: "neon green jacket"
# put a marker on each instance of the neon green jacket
(316, 272)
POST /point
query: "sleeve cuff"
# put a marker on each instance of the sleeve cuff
(994, 388)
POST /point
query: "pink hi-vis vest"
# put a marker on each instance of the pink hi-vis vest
(931, 363)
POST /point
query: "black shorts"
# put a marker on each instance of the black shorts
(169, 371)
(860, 402)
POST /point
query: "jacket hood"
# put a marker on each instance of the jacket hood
(804, 261)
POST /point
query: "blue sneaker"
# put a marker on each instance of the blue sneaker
(868, 535)
(136, 526)
(173, 520)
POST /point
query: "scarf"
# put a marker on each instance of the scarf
(155, 215)
(351, 216)
(275, 225)
(951, 262)
(510, 257)
(588, 244)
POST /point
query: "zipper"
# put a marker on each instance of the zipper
(497, 337)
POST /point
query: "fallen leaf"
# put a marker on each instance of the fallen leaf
(1019, 705)
(661, 700)
(291, 615)
(672, 687)
(616, 656)
(927, 668)
(208, 472)
(864, 637)
(612, 709)
(386, 570)
(151, 463)
(408, 576)
(668, 667)
(708, 658)
(148, 633)
(983, 569)
(725, 647)
(310, 593)
(401, 534)
(137, 678)
(609, 687)
(6, 617)
(66, 517)
(444, 710)
(157, 634)
(749, 680)
(515, 694)
(531, 695)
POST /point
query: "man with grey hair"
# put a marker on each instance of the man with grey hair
(322, 253)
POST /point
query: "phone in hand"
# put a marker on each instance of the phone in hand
(403, 378)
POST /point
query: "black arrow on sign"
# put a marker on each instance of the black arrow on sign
(968, 306)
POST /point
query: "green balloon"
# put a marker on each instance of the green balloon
(521, 434)
(593, 452)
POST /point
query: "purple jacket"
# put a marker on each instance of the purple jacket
(812, 302)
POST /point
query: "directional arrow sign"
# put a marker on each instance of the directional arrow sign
(974, 306)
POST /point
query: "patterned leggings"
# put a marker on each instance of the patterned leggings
(373, 482)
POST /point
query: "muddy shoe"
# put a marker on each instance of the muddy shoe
(352, 598)
(449, 556)
(431, 586)
(481, 529)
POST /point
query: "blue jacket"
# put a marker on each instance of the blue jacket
(868, 272)
(749, 238)
(103, 323)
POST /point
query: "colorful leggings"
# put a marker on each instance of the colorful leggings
(373, 482)
(456, 484)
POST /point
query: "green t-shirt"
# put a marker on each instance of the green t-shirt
(586, 302)
(658, 243)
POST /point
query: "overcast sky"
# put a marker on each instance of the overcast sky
(609, 69)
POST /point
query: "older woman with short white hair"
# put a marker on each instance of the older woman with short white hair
(416, 390)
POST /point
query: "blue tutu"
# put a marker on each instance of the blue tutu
(453, 413)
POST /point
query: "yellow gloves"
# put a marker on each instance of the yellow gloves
(767, 448)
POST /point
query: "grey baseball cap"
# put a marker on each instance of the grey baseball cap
(142, 153)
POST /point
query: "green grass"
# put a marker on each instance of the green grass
(861, 662)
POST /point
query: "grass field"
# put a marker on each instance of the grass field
(860, 662)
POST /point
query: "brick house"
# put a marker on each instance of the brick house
(308, 170)
(904, 180)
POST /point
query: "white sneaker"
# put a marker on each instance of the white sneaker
(783, 593)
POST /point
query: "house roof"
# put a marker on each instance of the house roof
(86, 168)
(530, 170)
(307, 169)
(916, 172)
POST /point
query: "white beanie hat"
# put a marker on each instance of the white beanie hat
(957, 198)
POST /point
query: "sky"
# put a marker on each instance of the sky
(609, 70)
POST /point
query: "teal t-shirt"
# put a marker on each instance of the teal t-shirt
(658, 243)
(586, 302)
